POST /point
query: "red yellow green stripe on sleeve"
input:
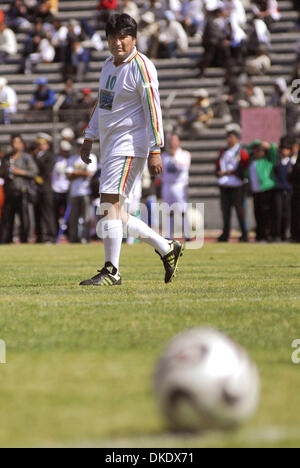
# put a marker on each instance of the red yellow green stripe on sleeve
(150, 97)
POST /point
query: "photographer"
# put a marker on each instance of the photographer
(17, 169)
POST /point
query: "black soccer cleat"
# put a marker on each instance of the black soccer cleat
(171, 259)
(108, 276)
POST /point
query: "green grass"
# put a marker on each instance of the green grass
(80, 361)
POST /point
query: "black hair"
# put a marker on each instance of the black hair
(286, 142)
(121, 24)
(17, 135)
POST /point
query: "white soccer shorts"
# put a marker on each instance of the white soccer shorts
(119, 174)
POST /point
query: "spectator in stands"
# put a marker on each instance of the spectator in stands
(235, 10)
(44, 97)
(172, 37)
(59, 40)
(44, 210)
(192, 17)
(297, 8)
(262, 181)
(60, 181)
(105, 9)
(148, 34)
(294, 179)
(172, 5)
(131, 9)
(42, 11)
(199, 116)
(230, 170)
(67, 134)
(85, 104)
(80, 176)
(260, 64)
(266, 10)
(215, 41)
(18, 18)
(253, 96)
(17, 169)
(279, 95)
(283, 192)
(2, 17)
(53, 6)
(8, 43)
(42, 52)
(67, 102)
(154, 7)
(2, 154)
(228, 101)
(8, 102)
(175, 180)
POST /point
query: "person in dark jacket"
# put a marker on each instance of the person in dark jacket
(17, 169)
(215, 42)
(230, 167)
(294, 179)
(43, 99)
(44, 210)
(283, 192)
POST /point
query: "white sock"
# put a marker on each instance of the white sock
(111, 231)
(138, 229)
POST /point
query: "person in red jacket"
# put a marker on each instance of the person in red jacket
(2, 16)
(230, 166)
(106, 7)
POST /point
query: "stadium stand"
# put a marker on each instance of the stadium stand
(178, 76)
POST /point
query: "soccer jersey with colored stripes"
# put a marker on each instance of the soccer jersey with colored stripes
(127, 118)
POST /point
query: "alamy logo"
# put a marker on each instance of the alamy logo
(2, 352)
(295, 93)
(296, 354)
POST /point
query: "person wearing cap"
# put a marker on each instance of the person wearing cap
(44, 210)
(230, 167)
(261, 175)
(171, 37)
(128, 122)
(18, 171)
(61, 182)
(79, 173)
(8, 101)
(43, 98)
(197, 117)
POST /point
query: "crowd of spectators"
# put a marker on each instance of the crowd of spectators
(268, 172)
(230, 39)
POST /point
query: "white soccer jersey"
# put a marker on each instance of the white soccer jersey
(127, 118)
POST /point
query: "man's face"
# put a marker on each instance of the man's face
(232, 140)
(286, 152)
(121, 46)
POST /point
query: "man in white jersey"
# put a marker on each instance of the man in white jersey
(128, 122)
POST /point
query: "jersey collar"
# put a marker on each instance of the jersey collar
(129, 58)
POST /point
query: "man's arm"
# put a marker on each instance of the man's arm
(90, 134)
(148, 89)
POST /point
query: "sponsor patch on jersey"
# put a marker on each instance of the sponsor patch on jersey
(106, 99)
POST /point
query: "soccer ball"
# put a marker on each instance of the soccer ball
(204, 380)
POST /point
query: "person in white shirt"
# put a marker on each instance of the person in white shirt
(60, 181)
(175, 178)
(172, 36)
(230, 165)
(80, 174)
(8, 43)
(8, 101)
(127, 119)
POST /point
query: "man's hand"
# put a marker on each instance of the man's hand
(86, 151)
(155, 164)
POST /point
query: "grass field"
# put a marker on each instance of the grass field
(80, 361)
